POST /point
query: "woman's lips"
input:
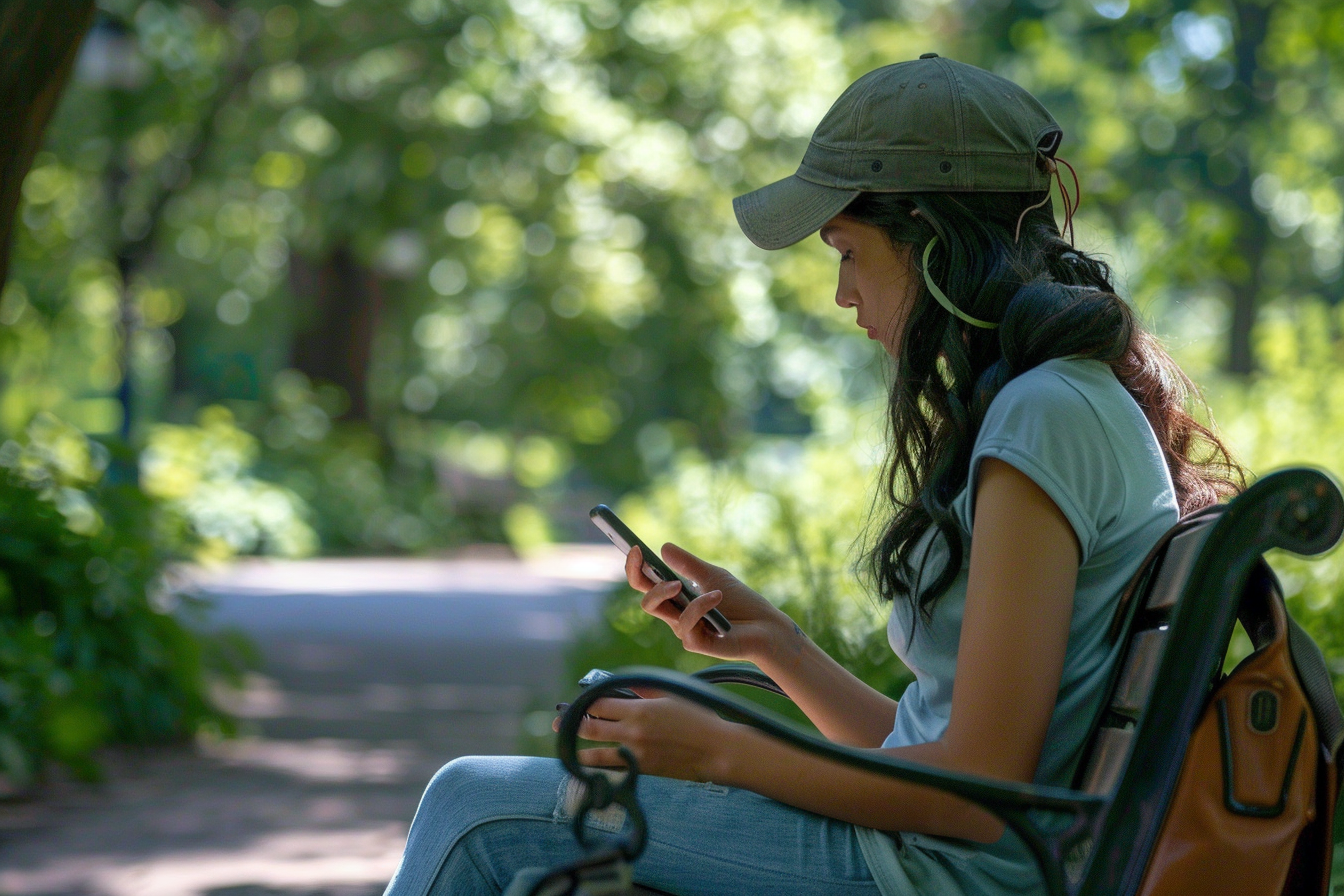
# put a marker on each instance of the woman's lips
(872, 332)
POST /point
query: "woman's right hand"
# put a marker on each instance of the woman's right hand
(758, 625)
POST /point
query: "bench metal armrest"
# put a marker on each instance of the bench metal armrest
(739, 673)
(1010, 802)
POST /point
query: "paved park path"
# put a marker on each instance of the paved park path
(374, 673)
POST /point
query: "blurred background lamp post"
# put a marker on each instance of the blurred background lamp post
(109, 60)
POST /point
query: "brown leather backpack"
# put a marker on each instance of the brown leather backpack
(1253, 809)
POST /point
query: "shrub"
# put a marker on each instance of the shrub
(201, 476)
(91, 650)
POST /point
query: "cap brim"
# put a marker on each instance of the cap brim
(788, 210)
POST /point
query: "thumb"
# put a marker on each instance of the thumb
(689, 566)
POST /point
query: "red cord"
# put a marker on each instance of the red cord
(1070, 205)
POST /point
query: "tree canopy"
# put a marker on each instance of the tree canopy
(453, 264)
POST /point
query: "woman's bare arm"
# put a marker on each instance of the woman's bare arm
(1019, 600)
(843, 707)
(1024, 566)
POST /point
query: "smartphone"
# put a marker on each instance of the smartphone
(592, 678)
(606, 519)
(596, 675)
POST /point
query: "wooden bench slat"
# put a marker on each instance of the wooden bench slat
(1110, 749)
(1174, 571)
(1138, 672)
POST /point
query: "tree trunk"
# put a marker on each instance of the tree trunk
(39, 40)
(339, 302)
(1250, 243)
(1253, 92)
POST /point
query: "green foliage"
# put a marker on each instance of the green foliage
(1294, 414)
(91, 649)
(391, 493)
(537, 192)
(200, 474)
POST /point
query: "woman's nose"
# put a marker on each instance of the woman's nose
(846, 296)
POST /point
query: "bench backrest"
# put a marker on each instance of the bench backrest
(1143, 622)
(1176, 622)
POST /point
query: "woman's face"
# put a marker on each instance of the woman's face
(877, 279)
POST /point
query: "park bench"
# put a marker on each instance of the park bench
(1177, 618)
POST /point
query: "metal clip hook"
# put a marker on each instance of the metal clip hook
(599, 791)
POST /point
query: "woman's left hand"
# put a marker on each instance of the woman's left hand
(669, 736)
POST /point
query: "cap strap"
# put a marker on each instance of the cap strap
(942, 296)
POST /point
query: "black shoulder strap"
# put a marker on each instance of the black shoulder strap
(1256, 614)
(1315, 677)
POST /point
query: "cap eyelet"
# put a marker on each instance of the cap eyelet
(877, 165)
(945, 167)
(922, 86)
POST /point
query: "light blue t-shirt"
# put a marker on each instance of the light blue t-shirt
(1072, 428)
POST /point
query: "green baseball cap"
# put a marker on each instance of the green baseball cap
(928, 125)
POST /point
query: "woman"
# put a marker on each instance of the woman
(1040, 444)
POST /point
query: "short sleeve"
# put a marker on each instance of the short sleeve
(1044, 425)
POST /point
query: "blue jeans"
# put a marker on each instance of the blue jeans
(482, 818)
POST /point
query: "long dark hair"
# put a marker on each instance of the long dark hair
(1051, 301)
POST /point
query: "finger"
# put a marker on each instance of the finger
(555, 722)
(660, 601)
(649, 693)
(692, 567)
(599, 729)
(612, 708)
(606, 757)
(634, 571)
(695, 611)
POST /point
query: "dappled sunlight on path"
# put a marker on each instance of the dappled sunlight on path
(345, 862)
(375, 673)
